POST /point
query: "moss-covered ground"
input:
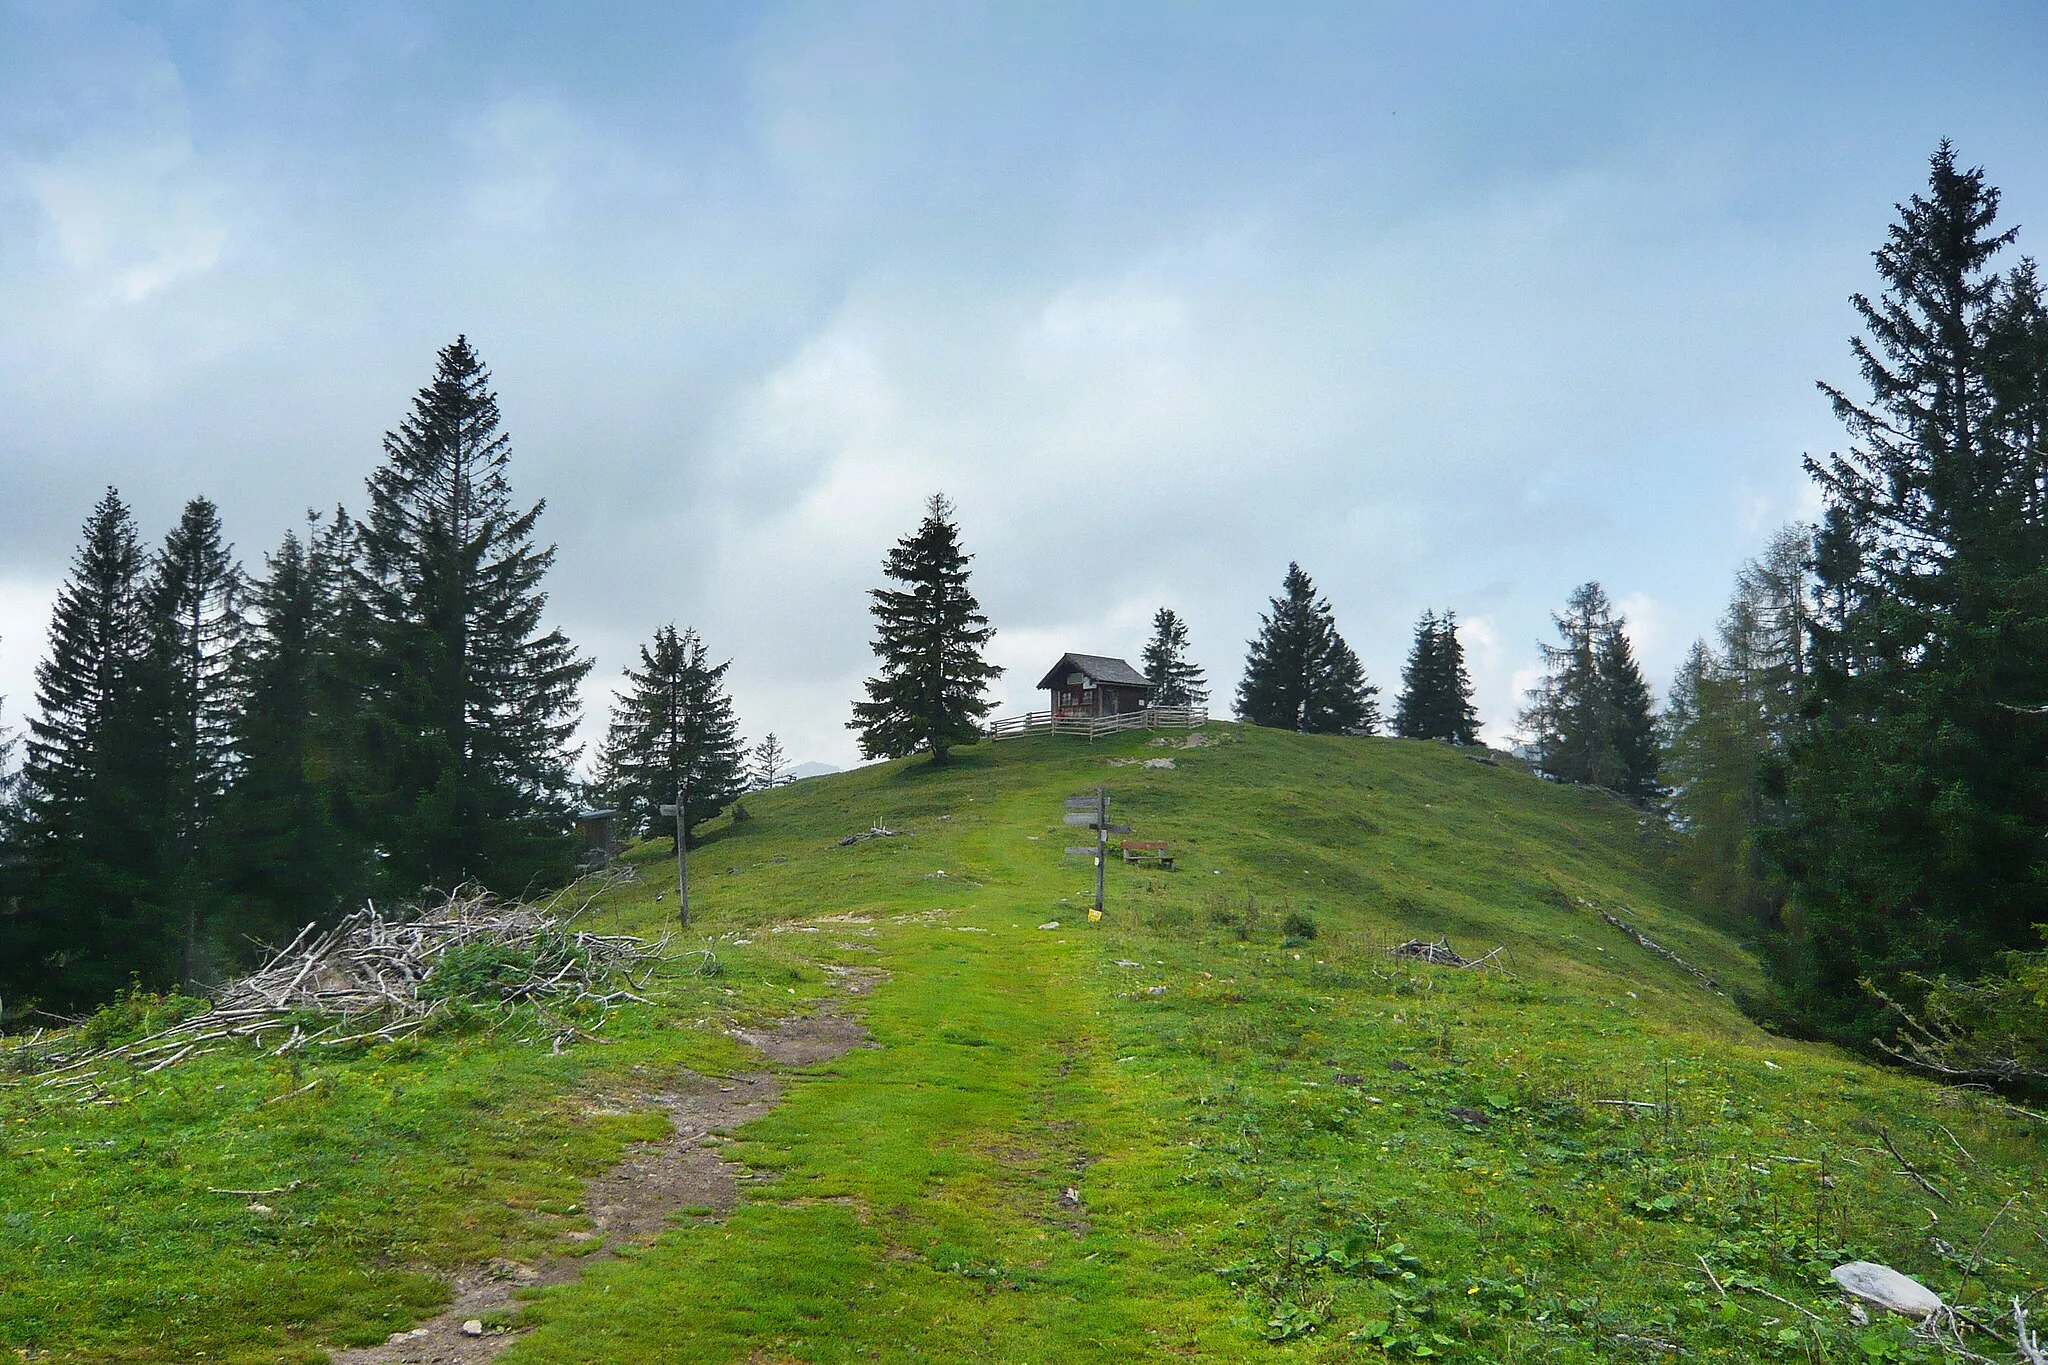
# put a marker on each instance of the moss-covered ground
(1189, 1129)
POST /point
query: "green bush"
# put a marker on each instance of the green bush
(136, 1013)
(1298, 927)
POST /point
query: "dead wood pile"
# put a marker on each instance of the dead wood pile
(372, 978)
(1439, 953)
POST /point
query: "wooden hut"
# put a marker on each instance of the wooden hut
(1093, 685)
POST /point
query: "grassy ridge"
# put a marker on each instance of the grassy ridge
(1237, 1147)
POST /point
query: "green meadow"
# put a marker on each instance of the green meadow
(1222, 1123)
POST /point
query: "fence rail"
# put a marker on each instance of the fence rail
(1093, 727)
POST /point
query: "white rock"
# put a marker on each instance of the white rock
(1050, 924)
(1887, 1288)
(473, 1328)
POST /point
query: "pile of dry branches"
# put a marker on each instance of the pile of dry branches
(1439, 953)
(373, 979)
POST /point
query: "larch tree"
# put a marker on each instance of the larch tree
(1299, 674)
(1731, 711)
(769, 760)
(673, 731)
(1175, 680)
(467, 700)
(929, 693)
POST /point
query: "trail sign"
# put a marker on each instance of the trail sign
(1086, 850)
(1094, 811)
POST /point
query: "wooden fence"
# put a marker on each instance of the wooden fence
(1092, 727)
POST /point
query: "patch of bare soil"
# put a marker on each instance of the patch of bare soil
(634, 1201)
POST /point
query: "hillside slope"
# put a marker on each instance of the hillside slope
(1179, 1130)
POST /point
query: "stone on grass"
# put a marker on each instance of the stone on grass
(473, 1328)
(1887, 1288)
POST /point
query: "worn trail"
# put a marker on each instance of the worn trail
(633, 1202)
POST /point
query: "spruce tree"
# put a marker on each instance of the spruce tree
(193, 608)
(1175, 681)
(1916, 777)
(929, 637)
(88, 840)
(1436, 691)
(1590, 719)
(467, 703)
(1631, 713)
(673, 730)
(1299, 674)
(289, 859)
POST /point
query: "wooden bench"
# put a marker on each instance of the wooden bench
(1148, 851)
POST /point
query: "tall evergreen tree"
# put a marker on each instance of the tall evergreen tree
(1590, 719)
(673, 730)
(1436, 691)
(1175, 681)
(289, 861)
(193, 608)
(1914, 842)
(929, 637)
(87, 914)
(1299, 674)
(467, 702)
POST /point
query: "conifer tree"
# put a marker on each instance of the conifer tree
(1730, 714)
(290, 859)
(769, 761)
(1436, 691)
(1916, 778)
(929, 637)
(1175, 681)
(1590, 719)
(673, 730)
(193, 608)
(1299, 674)
(87, 840)
(467, 703)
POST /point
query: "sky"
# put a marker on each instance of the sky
(1456, 305)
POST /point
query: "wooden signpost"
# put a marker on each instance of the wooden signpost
(682, 862)
(1094, 810)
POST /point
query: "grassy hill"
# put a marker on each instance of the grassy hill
(1181, 1131)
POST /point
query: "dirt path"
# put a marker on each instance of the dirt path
(634, 1200)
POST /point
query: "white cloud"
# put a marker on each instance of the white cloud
(130, 221)
(525, 149)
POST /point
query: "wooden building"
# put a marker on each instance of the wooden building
(1092, 685)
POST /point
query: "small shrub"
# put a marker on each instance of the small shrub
(1171, 917)
(1298, 926)
(477, 972)
(136, 1014)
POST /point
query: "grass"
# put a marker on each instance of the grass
(1190, 1129)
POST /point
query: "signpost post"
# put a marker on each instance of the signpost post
(1094, 810)
(682, 861)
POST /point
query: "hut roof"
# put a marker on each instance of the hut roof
(1100, 667)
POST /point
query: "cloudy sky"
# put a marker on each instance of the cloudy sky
(1456, 305)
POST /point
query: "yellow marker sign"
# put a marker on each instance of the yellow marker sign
(1094, 914)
